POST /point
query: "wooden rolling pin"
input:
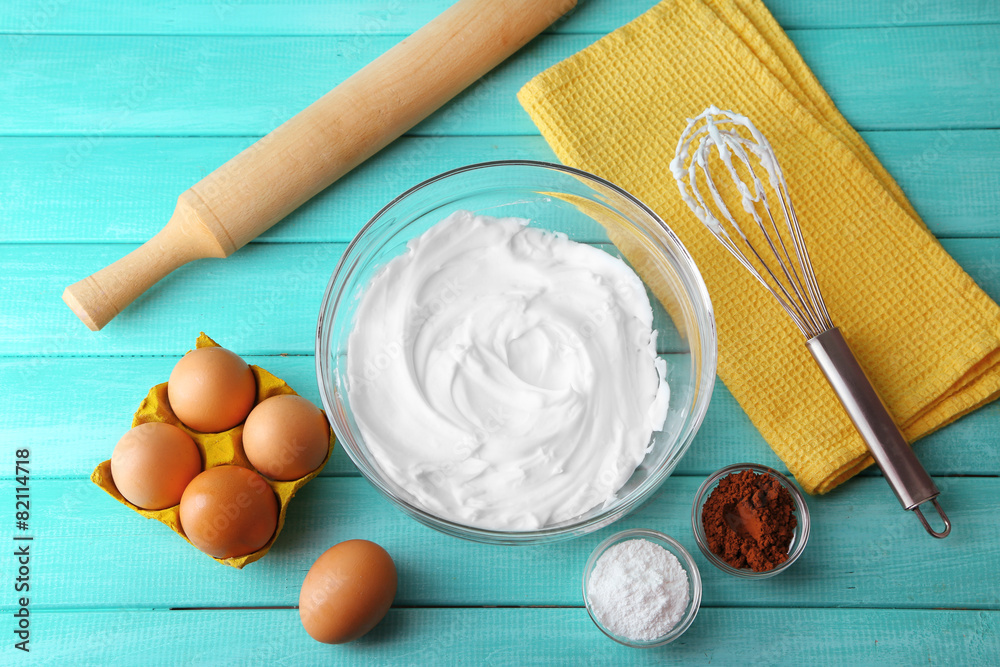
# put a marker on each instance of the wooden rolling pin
(270, 179)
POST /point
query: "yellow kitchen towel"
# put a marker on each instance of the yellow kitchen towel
(927, 335)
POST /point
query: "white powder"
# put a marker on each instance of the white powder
(638, 590)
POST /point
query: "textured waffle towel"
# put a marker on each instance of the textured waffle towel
(928, 337)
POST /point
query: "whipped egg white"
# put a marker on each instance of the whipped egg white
(504, 376)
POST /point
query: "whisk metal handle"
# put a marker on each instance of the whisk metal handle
(908, 479)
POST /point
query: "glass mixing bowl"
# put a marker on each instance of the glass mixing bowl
(585, 208)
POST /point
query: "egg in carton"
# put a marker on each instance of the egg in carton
(217, 449)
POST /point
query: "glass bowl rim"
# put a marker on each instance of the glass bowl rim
(687, 562)
(801, 508)
(692, 278)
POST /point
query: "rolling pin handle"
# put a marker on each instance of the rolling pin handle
(190, 234)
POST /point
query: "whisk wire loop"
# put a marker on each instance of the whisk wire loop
(781, 266)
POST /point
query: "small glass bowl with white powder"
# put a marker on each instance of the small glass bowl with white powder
(642, 588)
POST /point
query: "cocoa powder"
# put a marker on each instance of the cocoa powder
(749, 520)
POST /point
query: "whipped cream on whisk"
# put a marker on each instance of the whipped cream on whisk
(504, 376)
(707, 131)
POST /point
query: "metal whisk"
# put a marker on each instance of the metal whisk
(777, 256)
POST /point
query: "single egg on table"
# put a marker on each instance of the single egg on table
(286, 437)
(347, 591)
(229, 511)
(153, 463)
(211, 389)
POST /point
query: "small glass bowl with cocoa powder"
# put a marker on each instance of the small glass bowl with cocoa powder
(756, 524)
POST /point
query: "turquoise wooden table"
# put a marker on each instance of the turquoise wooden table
(109, 111)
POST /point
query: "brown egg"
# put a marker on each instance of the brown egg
(347, 591)
(152, 464)
(229, 511)
(286, 437)
(211, 389)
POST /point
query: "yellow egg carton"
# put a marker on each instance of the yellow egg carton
(217, 449)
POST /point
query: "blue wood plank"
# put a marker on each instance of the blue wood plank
(24, 18)
(124, 189)
(114, 386)
(518, 637)
(263, 300)
(951, 177)
(935, 77)
(310, 270)
(864, 551)
(913, 78)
